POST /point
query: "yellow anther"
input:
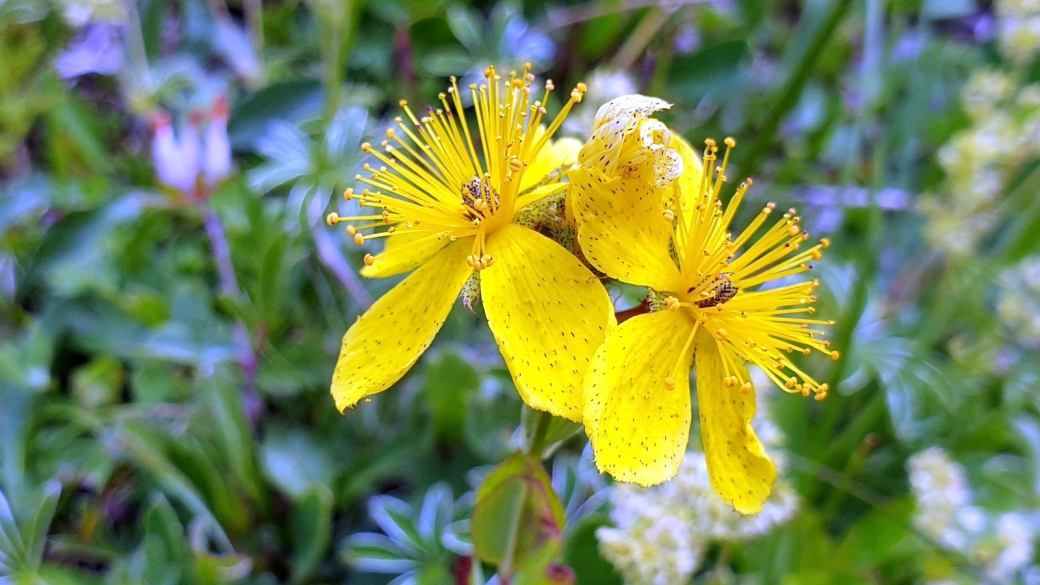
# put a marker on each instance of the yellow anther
(793, 229)
(669, 383)
(359, 239)
(402, 103)
(351, 230)
(825, 242)
(805, 390)
(332, 218)
(820, 397)
(390, 133)
(516, 165)
(720, 334)
(835, 355)
(816, 254)
(576, 96)
(582, 88)
(669, 215)
(672, 303)
(348, 194)
(791, 382)
(366, 146)
(730, 142)
(369, 259)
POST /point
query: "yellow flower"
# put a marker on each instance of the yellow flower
(450, 194)
(712, 315)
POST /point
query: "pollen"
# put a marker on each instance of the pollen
(669, 383)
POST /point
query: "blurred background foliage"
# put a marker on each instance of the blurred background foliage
(171, 301)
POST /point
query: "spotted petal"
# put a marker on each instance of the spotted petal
(388, 339)
(404, 252)
(639, 427)
(548, 314)
(622, 230)
(738, 466)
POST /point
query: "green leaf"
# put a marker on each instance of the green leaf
(518, 519)
(98, 383)
(467, 26)
(312, 529)
(715, 69)
(581, 553)
(450, 381)
(289, 100)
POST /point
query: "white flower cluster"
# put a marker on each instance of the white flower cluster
(1019, 23)
(1000, 544)
(1019, 304)
(662, 532)
(1005, 132)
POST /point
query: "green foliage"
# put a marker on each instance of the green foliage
(165, 355)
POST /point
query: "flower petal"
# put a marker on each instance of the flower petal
(738, 466)
(637, 426)
(388, 339)
(689, 183)
(562, 152)
(548, 314)
(404, 252)
(622, 230)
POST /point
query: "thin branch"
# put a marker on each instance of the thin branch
(247, 357)
(564, 17)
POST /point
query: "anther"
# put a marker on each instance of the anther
(730, 142)
(816, 255)
(672, 303)
(791, 382)
(332, 218)
(669, 215)
(669, 383)
(351, 230)
(835, 355)
(348, 194)
(720, 334)
(825, 242)
(369, 259)
(582, 87)
(366, 146)
(747, 385)
(359, 239)
(820, 397)
(793, 229)
(402, 103)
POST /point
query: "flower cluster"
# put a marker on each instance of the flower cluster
(193, 161)
(1019, 304)
(661, 533)
(1002, 544)
(1005, 133)
(494, 208)
(1019, 23)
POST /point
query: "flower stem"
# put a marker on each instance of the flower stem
(541, 432)
(247, 358)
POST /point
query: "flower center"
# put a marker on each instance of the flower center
(480, 199)
(721, 290)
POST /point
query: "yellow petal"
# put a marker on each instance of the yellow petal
(548, 314)
(738, 466)
(559, 153)
(688, 184)
(404, 252)
(622, 230)
(637, 426)
(388, 339)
